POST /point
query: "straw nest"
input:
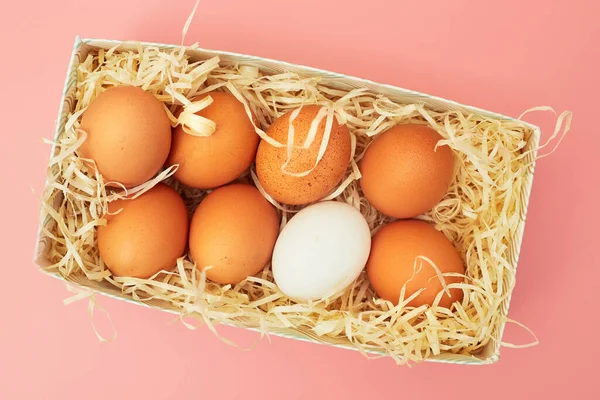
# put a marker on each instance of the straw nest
(481, 213)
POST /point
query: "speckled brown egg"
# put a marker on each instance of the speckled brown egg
(128, 135)
(403, 174)
(233, 230)
(391, 264)
(147, 235)
(319, 182)
(211, 161)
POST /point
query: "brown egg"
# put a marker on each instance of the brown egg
(319, 182)
(212, 161)
(129, 135)
(391, 263)
(403, 175)
(234, 230)
(147, 236)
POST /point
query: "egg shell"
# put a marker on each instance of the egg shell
(233, 230)
(321, 251)
(128, 135)
(147, 235)
(403, 174)
(323, 179)
(394, 251)
(211, 161)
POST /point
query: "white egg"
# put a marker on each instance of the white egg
(321, 251)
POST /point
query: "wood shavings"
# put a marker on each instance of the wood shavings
(481, 213)
(80, 294)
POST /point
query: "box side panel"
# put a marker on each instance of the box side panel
(531, 148)
(66, 105)
(334, 79)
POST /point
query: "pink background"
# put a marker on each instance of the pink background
(503, 56)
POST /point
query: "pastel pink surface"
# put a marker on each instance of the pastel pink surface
(503, 56)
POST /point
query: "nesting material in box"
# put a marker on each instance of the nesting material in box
(483, 213)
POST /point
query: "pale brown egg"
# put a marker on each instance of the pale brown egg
(128, 135)
(394, 261)
(233, 230)
(147, 236)
(211, 161)
(403, 174)
(319, 182)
